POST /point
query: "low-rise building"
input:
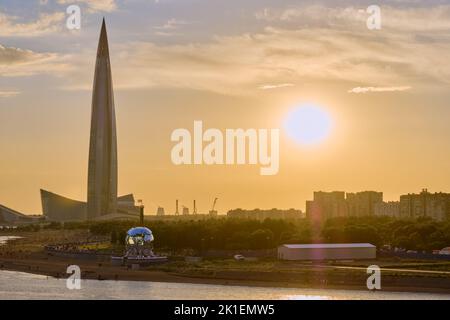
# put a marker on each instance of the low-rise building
(61, 209)
(259, 214)
(160, 211)
(11, 217)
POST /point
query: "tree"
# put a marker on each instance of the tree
(261, 239)
(114, 237)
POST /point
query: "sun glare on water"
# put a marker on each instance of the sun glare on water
(308, 124)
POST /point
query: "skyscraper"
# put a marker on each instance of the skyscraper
(102, 174)
(102, 201)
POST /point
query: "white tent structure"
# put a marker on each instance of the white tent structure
(330, 251)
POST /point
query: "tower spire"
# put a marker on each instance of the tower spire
(103, 47)
(102, 173)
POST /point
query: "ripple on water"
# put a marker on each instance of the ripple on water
(17, 285)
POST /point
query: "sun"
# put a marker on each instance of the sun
(308, 124)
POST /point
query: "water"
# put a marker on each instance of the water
(18, 285)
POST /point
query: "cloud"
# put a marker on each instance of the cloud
(169, 28)
(45, 24)
(8, 94)
(94, 5)
(15, 62)
(426, 18)
(171, 24)
(285, 56)
(282, 54)
(275, 86)
(378, 89)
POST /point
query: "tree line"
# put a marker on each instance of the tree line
(420, 234)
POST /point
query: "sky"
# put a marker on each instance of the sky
(231, 64)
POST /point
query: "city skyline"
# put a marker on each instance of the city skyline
(334, 204)
(385, 92)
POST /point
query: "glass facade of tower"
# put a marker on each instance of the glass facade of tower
(102, 174)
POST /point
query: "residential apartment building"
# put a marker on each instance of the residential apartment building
(389, 209)
(425, 204)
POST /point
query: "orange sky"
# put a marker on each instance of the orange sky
(250, 71)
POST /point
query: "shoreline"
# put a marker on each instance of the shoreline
(102, 271)
(27, 254)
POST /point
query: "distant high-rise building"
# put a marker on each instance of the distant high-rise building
(388, 209)
(339, 204)
(425, 204)
(327, 205)
(102, 174)
(363, 203)
(370, 203)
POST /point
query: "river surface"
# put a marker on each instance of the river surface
(18, 285)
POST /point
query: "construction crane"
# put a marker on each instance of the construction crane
(213, 212)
